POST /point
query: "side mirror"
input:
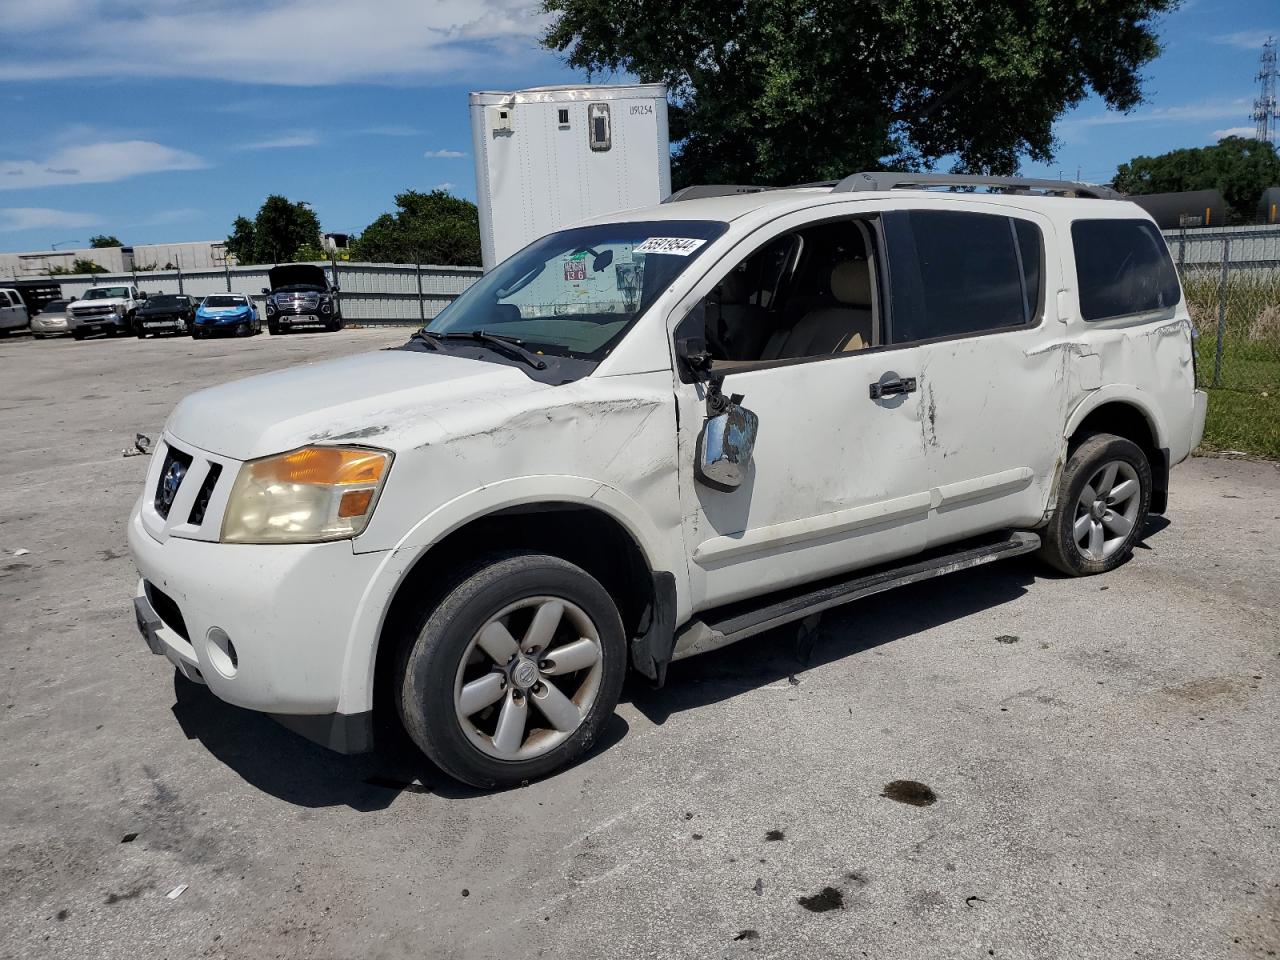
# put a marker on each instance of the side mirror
(727, 440)
(266, 290)
(142, 294)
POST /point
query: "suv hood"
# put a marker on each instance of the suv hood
(297, 275)
(373, 399)
(148, 307)
(101, 302)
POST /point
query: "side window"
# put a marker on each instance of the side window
(805, 294)
(953, 272)
(1123, 268)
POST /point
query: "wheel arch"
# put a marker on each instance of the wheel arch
(1126, 413)
(582, 531)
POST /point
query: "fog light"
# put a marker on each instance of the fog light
(222, 652)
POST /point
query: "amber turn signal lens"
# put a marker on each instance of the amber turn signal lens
(327, 465)
(355, 503)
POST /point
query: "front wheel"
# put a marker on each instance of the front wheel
(1104, 494)
(515, 672)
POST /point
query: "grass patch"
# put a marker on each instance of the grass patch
(1242, 421)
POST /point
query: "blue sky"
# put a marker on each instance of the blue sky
(161, 120)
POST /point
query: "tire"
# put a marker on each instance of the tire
(142, 335)
(1082, 540)
(77, 334)
(273, 329)
(441, 654)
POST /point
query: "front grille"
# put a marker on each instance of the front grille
(166, 610)
(201, 505)
(92, 311)
(172, 473)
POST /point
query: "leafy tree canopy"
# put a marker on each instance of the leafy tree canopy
(1239, 168)
(275, 234)
(104, 240)
(434, 227)
(788, 91)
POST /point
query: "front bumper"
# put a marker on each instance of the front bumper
(108, 321)
(160, 322)
(50, 325)
(289, 610)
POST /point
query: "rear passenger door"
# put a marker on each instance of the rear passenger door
(972, 298)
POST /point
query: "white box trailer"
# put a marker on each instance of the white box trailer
(551, 156)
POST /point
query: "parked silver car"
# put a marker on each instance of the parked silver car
(51, 321)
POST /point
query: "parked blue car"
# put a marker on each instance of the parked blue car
(233, 313)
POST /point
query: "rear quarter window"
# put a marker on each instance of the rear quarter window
(1122, 268)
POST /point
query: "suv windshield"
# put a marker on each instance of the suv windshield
(106, 293)
(223, 301)
(167, 300)
(575, 292)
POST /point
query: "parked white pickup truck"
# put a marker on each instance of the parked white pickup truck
(108, 309)
(658, 433)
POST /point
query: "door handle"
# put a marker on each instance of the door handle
(890, 388)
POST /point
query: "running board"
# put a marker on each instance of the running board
(728, 624)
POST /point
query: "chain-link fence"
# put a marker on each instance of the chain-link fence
(1232, 282)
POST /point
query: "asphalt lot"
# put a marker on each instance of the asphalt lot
(1103, 752)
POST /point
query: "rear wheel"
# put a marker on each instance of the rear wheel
(77, 334)
(515, 672)
(1104, 495)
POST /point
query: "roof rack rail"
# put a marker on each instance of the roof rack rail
(701, 190)
(888, 180)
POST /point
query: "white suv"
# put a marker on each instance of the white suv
(658, 433)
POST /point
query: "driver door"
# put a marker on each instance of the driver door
(838, 479)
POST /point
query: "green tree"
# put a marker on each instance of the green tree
(433, 227)
(104, 240)
(787, 91)
(280, 228)
(1239, 168)
(80, 265)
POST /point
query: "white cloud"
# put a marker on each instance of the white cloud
(446, 186)
(443, 154)
(392, 130)
(1206, 110)
(103, 162)
(13, 219)
(301, 138)
(1235, 132)
(1246, 39)
(437, 40)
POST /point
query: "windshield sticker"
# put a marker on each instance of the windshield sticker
(575, 269)
(677, 246)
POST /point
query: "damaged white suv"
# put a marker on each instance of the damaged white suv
(658, 433)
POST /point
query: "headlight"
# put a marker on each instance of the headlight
(271, 307)
(312, 494)
(118, 308)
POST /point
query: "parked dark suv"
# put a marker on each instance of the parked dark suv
(300, 295)
(165, 313)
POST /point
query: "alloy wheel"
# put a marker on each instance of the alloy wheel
(516, 699)
(1106, 510)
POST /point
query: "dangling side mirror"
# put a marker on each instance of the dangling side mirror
(727, 440)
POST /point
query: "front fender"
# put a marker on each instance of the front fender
(660, 554)
(1123, 393)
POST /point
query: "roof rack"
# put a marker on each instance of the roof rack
(701, 190)
(889, 180)
(886, 180)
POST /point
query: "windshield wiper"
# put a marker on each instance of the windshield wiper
(430, 339)
(512, 346)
